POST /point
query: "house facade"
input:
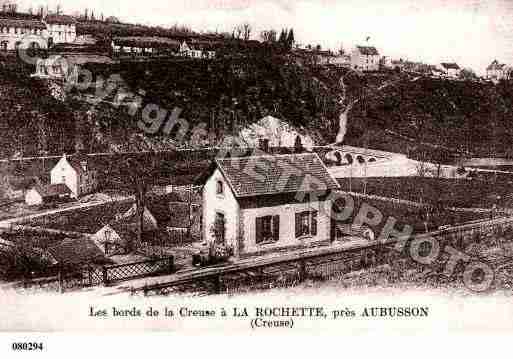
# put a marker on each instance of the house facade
(497, 71)
(365, 58)
(22, 32)
(267, 203)
(450, 69)
(60, 29)
(77, 173)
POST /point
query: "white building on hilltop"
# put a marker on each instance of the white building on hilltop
(365, 58)
(21, 32)
(60, 29)
(450, 69)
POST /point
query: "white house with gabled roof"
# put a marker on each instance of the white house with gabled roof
(268, 203)
(78, 173)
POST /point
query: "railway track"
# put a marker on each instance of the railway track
(321, 262)
(264, 272)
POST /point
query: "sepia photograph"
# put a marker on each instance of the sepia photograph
(223, 166)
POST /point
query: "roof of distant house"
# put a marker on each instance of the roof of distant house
(495, 65)
(450, 65)
(76, 251)
(24, 23)
(60, 19)
(368, 50)
(265, 175)
(52, 190)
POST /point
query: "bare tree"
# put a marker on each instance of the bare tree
(237, 32)
(269, 36)
(246, 31)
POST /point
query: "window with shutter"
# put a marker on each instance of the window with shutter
(267, 229)
(258, 232)
(298, 225)
(276, 228)
(313, 223)
(306, 224)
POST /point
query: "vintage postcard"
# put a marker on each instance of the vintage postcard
(229, 166)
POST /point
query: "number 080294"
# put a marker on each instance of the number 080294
(27, 346)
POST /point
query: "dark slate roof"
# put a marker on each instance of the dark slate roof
(52, 190)
(368, 50)
(60, 19)
(22, 23)
(450, 65)
(76, 251)
(264, 175)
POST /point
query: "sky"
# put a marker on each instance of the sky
(469, 32)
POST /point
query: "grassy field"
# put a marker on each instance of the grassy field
(448, 192)
(412, 216)
(86, 220)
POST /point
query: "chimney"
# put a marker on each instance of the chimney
(263, 144)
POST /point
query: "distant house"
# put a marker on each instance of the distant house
(497, 71)
(320, 57)
(340, 60)
(276, 132)
(44, 194)
(260, 204)
(198, 50)
(170, 213)
(120, 232)
(78, 173)
(145, 45)
(365, 58)
(385, 62)
(450, 69)
(17, 31)
(60, 28)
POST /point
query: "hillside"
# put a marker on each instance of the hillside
(425, 118)
(225, 96)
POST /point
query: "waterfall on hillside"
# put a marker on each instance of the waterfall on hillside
(342, 130)
(342, 127)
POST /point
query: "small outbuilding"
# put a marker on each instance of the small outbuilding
(45, 194)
